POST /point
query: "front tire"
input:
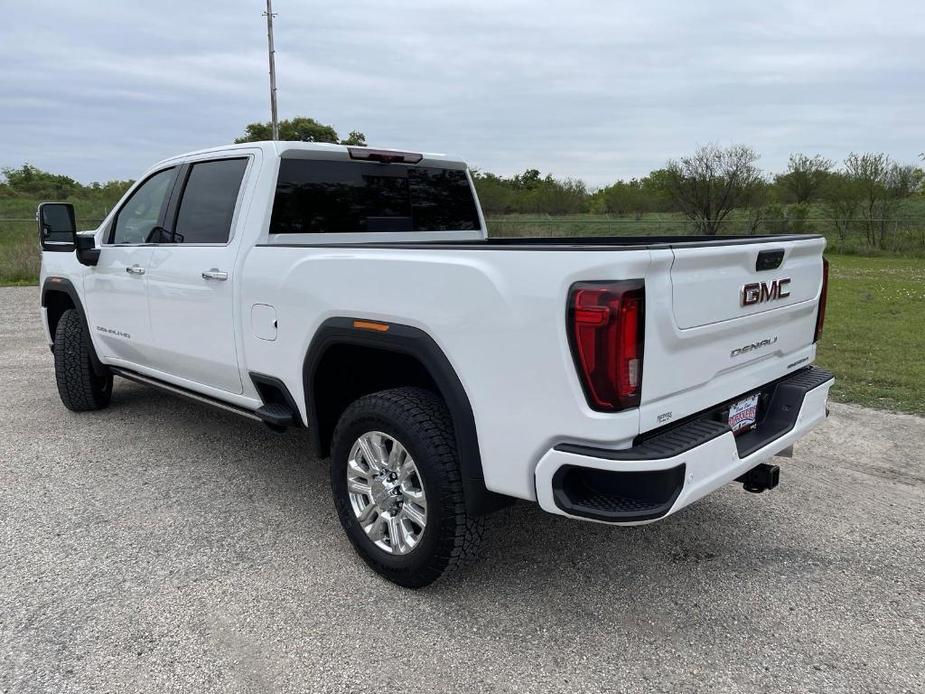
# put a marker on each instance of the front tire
(81, 388)
(397, 486)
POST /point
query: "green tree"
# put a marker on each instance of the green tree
(530, 193)
(622, 198)
(712, 182)
(655, 187)
(531, 179)
(900, 183)
(495, 194)
(882, 186)
(299, 129)
(868, 172)
(636, 196)
(354, 138)
(805, 177)
(559, 196)
(842, 198)
(30, 180)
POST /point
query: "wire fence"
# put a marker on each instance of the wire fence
(90, 223)
(680, 225)
(903, 235)
(892, 235)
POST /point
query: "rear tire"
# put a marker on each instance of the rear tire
(80, 387)
(417, 421)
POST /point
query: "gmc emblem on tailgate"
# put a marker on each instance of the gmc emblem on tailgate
(759, 292)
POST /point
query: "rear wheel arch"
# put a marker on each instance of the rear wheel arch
(344, 363)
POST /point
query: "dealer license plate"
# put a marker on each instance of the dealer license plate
(743, 414)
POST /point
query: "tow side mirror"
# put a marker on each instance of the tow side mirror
(58, 232)
(57, 226)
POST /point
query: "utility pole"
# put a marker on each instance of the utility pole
(272, 54)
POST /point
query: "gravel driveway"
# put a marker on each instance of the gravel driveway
(160, 546)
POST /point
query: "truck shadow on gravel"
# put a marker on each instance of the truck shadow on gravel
(263, 474)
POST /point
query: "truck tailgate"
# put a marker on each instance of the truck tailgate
(717, 326)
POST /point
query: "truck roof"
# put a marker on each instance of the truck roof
(283, 147)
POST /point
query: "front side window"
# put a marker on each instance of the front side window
(142, 211)
(349, 197)
(208, 202)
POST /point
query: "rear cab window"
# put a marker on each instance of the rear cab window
(207, 205)
(359, 197)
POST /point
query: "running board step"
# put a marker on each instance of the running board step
(185, 393)
(276, 415)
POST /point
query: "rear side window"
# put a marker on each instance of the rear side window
(208, 201)
(325, 197)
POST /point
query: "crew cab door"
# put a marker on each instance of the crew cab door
(191, 273)
(116, 289)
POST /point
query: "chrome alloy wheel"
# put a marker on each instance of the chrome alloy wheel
(386, 492)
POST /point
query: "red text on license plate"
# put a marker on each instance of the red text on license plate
(743, 414)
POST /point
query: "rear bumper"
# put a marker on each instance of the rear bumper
(674, 467)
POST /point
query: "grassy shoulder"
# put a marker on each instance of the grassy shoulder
(19, 252)
(874, 328)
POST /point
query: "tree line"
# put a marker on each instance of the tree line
(712, 187)
(868, 192)
(29, 181)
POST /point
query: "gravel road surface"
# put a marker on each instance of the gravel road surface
(160, 545)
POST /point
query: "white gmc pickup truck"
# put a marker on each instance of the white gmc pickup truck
(354, 292)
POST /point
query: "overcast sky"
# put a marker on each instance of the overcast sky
(596, 90)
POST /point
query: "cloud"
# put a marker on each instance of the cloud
(590, 89)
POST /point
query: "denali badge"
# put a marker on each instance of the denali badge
(767, 342)
(758, 292)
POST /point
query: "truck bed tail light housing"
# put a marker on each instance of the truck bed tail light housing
(606, 323)
(384, 156)
(823, 295)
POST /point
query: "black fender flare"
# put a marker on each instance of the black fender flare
(62, 285)
(413, 342)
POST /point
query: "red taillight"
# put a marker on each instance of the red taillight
(823, 295)
(606, 323)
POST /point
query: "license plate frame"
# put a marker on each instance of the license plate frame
(742, 415)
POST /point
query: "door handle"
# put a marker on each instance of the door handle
(215, 274)
(135, 270)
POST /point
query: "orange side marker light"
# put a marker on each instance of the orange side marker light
(371, 325)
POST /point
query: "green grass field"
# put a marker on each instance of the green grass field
(875, 328)
(19, 255)
(875, 332)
